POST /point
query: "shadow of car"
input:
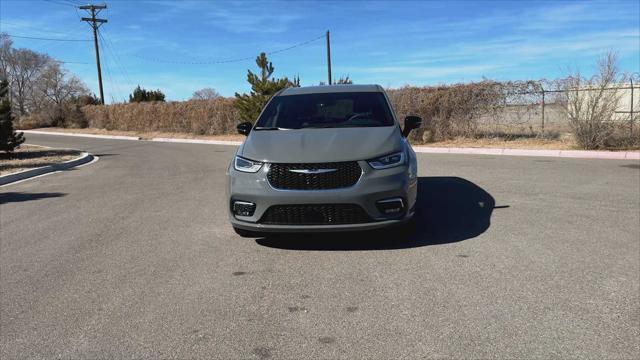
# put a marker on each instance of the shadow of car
(11, 197)
(449, 209)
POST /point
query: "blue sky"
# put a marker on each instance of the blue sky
(389, 43)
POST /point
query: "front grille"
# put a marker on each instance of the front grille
(315, 214)
(346, 174)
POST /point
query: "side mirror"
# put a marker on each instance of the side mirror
(244, 128)
(410, 123)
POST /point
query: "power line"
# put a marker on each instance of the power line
(118, 61)
(210, 62)
(19, 27)
(65, 3)
(113, 83)
(40, 48)
(72, 62)
(46, 39)
(115, 60)
(46, 33)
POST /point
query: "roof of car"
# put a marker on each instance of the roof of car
(331, 89)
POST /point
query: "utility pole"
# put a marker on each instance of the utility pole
(329, 57)
(631, 110)
(543, 105)
(95, 24)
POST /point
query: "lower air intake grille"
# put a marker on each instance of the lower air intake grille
(315, 214)
(314, 176)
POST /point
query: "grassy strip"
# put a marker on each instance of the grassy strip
(32, 156)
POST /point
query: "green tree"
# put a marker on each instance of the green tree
(263, 87)
(344, 80)
(9, 139)
(140, 95)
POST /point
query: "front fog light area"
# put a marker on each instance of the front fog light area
(392, 207)
(243, 208)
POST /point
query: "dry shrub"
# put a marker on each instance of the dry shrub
(622, 137)
(591, 105)
(447, 111)
(201, 117)
(33, 121)
(66, 115)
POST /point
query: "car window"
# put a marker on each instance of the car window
(326, 110)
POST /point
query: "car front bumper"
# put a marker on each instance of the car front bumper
(373, 185)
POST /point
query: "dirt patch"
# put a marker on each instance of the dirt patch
(30, 156)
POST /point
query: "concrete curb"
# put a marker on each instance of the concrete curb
(577, 154)
(112, 137)
(198, 141)
(26, 174)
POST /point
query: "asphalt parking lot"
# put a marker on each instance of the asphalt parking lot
(132, 256)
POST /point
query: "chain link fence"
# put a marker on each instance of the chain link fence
(512, 109)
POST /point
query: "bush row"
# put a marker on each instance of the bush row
(448, 112)
(200, 117)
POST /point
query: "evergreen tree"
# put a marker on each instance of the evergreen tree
(156, 95)
(344, 80)
(263, 87)
(9, 139)
(140, 95)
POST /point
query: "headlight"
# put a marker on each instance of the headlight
(246, 165)
(387, 161)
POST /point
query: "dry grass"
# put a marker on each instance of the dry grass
(501, 143)
(31, 156)
(563, 142)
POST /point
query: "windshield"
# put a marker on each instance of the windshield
(326, 110)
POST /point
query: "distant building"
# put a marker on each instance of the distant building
(624, 94)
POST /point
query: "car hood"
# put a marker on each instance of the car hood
(321, 145)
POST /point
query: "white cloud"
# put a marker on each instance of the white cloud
(231, 16)
(243, 20)
(423, 72)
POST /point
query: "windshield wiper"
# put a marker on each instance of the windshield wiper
(269, 128)
(319, 126)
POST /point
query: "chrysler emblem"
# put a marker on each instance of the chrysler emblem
(312, 171)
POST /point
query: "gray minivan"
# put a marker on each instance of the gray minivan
(323, 158)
